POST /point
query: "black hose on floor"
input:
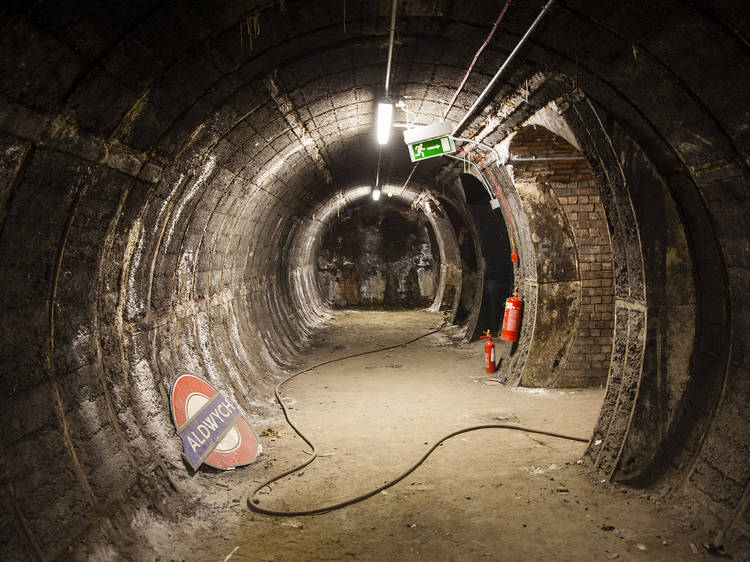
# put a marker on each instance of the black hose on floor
(251, 501)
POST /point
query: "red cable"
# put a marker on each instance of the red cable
(513, 254)
(479, 52)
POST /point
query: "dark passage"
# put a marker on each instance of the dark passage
(379, 255)
(495, 247)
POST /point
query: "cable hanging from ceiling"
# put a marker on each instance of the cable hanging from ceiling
(502, 69)
(495, 194)
(476, 57)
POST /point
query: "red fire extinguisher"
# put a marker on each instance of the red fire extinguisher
(512, 318)
(489, 353)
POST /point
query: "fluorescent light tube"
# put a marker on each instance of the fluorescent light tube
(385, 115)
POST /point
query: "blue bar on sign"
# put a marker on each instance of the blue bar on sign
(201, 433)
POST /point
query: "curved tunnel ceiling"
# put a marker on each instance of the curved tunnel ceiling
(166, 166)
(280, 97)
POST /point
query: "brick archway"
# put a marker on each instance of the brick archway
(555, 171)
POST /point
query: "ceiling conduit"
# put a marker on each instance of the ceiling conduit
(495, 78)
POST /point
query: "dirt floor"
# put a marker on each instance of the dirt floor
(491, 494)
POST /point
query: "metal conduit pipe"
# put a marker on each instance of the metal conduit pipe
(387, 84)
(498, 160)
(390, 49)
(543, 158)
(377, 170)
(512, 55)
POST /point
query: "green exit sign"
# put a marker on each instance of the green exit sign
(430, 148)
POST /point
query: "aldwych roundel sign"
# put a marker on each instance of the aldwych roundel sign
(211, 426)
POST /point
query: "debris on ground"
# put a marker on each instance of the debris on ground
(270, 432)
(534, 499)
(228, 556)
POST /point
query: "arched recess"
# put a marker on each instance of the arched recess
(572, 341)
(450, 283)
(492, 226)
(469, 272)
(672, 333)
(659, 391)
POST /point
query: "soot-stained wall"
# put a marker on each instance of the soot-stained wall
(379, 255)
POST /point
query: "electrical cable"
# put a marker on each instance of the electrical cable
(390, 48)
(513, 254)
(414, 168)
(251, 502)
(500, 70)
(476, 56)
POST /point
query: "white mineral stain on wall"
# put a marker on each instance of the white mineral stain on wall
(426, 282)
(197, 185)
(372, 288)
(80, 345)
(203, 327)
(151, 407)
(185, 275)
(134, 248)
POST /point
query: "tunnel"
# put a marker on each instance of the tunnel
(189, 188)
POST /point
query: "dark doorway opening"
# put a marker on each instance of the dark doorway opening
(495, 247)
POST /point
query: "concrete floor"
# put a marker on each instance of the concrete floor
(489, 494)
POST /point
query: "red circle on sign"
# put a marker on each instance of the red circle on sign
(247, 448)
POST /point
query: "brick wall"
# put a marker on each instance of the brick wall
(587, 360)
